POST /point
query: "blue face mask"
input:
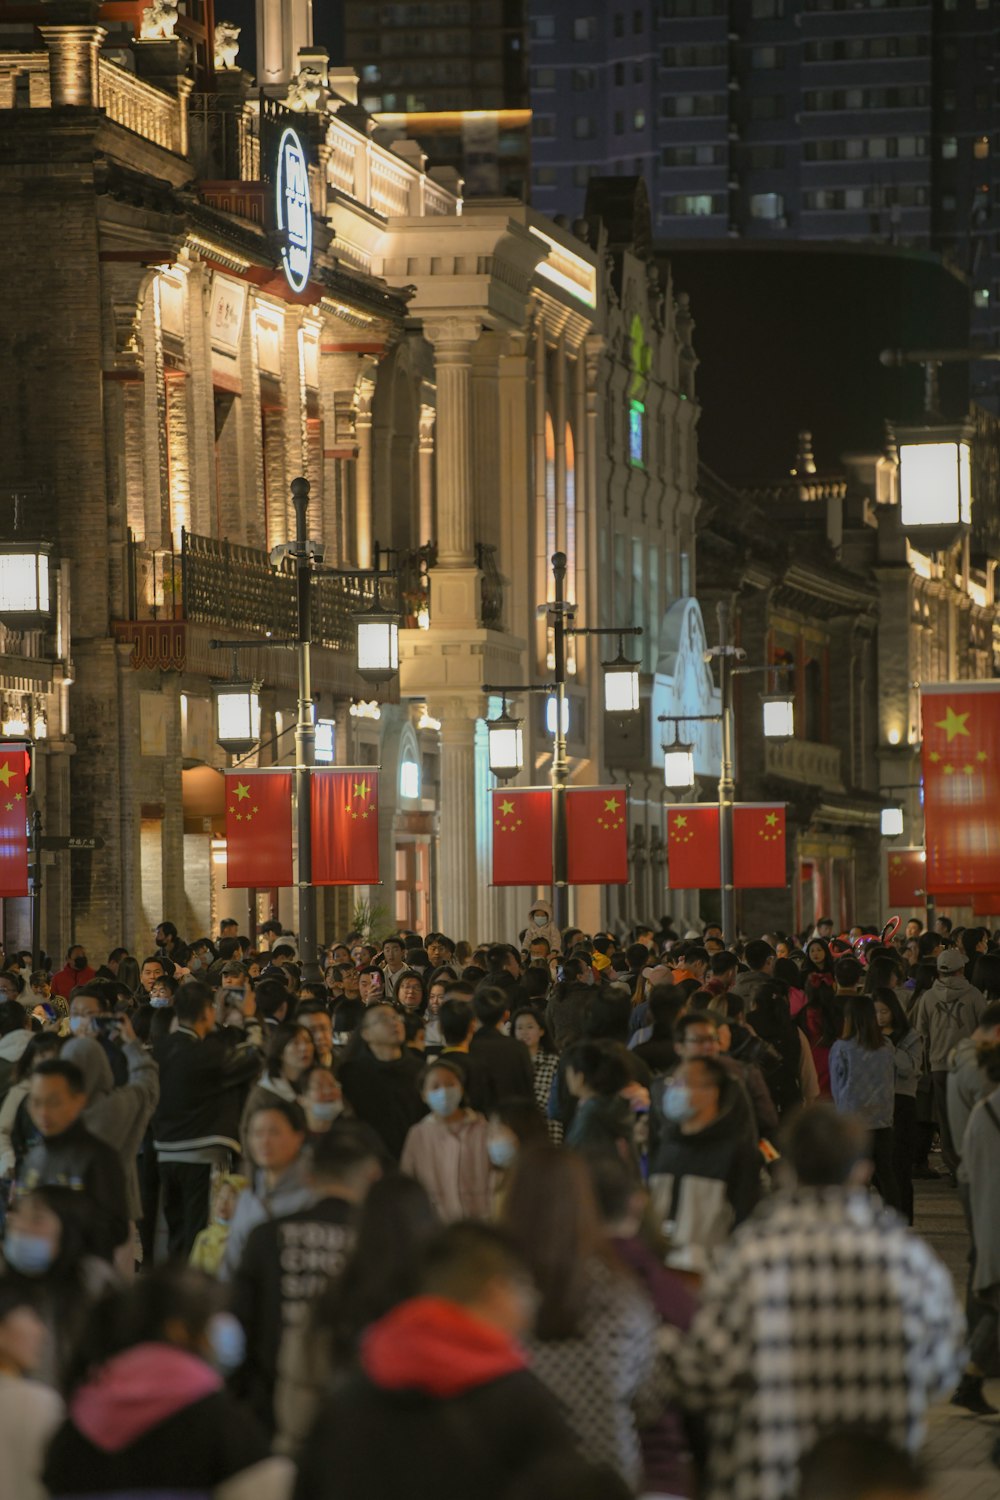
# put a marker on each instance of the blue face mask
(160, 1002)
(228, 1342)
(30, 1254)
(444, 1102)
(677, 1104)
(501, 1152)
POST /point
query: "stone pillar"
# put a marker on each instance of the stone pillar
(458, 873)
(453, 339)
(425, 527)
(363, 471)
(73, 63)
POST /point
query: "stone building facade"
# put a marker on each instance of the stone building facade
(458, 382)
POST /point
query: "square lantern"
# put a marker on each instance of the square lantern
(25, 585)
(678, 767)
(935, 479)
(378, 645)
(891, 822)
(621, 685)
(779, 716)
(506, 745)
(237, 716)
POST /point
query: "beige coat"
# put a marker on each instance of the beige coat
(451, 1163)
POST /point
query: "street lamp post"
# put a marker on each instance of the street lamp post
(378, 659)
(678, 760)
(560, 613)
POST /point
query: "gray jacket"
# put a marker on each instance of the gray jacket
(747, 984)
(946, 1014)
(980, 1154)
(118, 1116)
(967, 1084)
(290, 1193)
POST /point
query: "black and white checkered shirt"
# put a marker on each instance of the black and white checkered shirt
(823, 1310)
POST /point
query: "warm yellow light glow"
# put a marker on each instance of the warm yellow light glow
(237, 716)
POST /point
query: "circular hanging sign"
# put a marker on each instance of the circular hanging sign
(294, 210)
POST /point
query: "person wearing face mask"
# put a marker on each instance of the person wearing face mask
(541, 925)
(44, 1254)
(289, 1261)
(515, 1126)
(704, 1176)
(29, 1411)
(322, 1099)
(74, 972)
(152, 1413)
(447, 1151)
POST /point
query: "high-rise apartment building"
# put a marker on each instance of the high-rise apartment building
(453, 74)
(780, 119)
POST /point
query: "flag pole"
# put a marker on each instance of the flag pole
(727, 786)
(305, 737)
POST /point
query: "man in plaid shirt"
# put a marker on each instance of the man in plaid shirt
(823, 1310)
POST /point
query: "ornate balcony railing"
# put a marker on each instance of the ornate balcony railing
(138, 106)
(235, 590)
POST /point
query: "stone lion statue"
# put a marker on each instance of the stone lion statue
(306, 89)
(227, 44)
(158, 21)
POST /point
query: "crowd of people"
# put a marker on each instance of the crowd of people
(575, 1216)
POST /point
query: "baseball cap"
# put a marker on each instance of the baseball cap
(950, 961)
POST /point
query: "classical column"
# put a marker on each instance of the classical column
(425, 455)
(73, 63)
(363, 472)
(459, 877)
(453, 339)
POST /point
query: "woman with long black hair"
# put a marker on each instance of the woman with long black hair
(863, 1083)
(908, 1062)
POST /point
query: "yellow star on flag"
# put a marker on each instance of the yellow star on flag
(17, 796)
(968, 770)
(6, 772)
(505, 808)
(611, 804)
(953, 724)
(981, 755)
(361, 789)
(10, 807)
(242, 790)
(934, 757)
(771, 820)
(949, 770)
(680, 821)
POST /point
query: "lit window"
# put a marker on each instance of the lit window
(639, 120)
(325, 730)
(409, 779)
(981, 296)
(698, 204)
(981, 147)
(767, 205)
(584, 28)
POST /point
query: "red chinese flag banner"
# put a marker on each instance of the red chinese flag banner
(259, 828)
(522, 837)
(961, 764)
(344, 827)
(597, 836)
(692, 846)
(906, 878)
(759, 846)
(13, 823)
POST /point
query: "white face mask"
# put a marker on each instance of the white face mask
(539, 918)
(326, 1109)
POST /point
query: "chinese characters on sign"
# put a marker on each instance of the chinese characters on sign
(294, 210)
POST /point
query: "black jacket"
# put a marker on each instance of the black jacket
(78, 1160)
(202, 1084)
(190, 1453)
(382, 1444)
(287, 1264)
(506, 1066)
(384, 1094)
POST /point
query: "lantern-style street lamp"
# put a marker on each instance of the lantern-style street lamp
(678, 766)
(935, 477)
(237, 716)
(377, 643)
(779, 716)
(891, 822)
(25, 584)
(621, 684)
(506, 745)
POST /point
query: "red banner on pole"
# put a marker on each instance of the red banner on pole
(522, 837)
(907, 868)
(693, 846)
(961, 765)
(13, 823)
(759, 846)
(259, 828)
(344, 827)
(597, 836)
